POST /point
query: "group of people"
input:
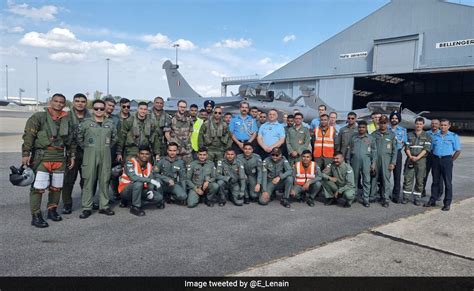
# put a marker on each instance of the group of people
(211, 157)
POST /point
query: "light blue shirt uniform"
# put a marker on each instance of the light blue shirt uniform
(241, 128)
(400, 136)
(431, 134)
(445, 145)
(315, 123)
(271, 132)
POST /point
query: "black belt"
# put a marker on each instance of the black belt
(444, 157)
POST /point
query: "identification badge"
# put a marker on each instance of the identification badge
(300, 141)
(254, 171)
(389, 146)
(107, 140)
(369, 149)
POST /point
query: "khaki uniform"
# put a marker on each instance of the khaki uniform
(180, 129)
(46, 139)
(270, 170)
(197, 174)
(216, 137)
(230, 177)
(297, 140)
(414, 172)
(162, 120)
(343, 140)
(253, 174)
(134, 133)
(362, 155)
(386, 154)
(344, 184)
(166, 170)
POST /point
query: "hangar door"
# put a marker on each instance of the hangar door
(395, 55)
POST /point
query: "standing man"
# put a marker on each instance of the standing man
(96, 136)
(298, 139)
(332, 122)
(196, 129)
(362, 154)
(214, 135)
(401, 138)
(209, 106)
(200, 178)
(254, 112)
(138, 130)
(227, 118)
(47, 135)
(345, 135)
(230, 175)
(315, 122)
(124, 109)
(417, 146)
(109, 110)
(374, 124)
(180, 130)
(338, 181)
(271, 134)
(429, 159)
(137, 183)
(193, 112)
(324, 135)
(171, 171)
(243, 129)
(253, 171)
(78, 113)
(277, 175)
(262, 118)
(161, 120)
(307, 177)
(446, 148)
(386, 145)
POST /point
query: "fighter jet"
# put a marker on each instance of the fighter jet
(261, 95)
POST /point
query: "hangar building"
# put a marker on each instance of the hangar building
(418, 52)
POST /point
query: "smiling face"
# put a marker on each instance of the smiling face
(142, 111)
(109, 107)
(172, 151)
(57, 103)
(158, 104)
(182, 107)
(79, 104)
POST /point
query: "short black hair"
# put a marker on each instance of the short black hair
(291, 116)
(375, 112)
(444, 120)
(172, 144)
(110, 99)
(58, 95)
(98, 101)
(420, 119)
(324, 115)
(322, 105)
(124, 100)
(229, 150)
(144, 148)
(352, 113)
(158, 98)
(336, 153)
(298, 114)
(193, 106)
(79, 95)
(248, 144)
(306, 152)
(228, 113)
(362, 122)
(202, 149)
(253, 107)
(202, 110)
(142, 103)
(181, 100)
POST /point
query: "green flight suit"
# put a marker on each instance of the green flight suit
(344, 184)
(230, 176)
(96, 139)
(297, 140)
(270, 170)
(180, 129)
(362, 153)
(343, 140)
(386, 145)
(70, 175)
(45, 140)
(165, 170)
(214, 136)
(414, 172)
(134, 133)
(139, 187)
(253, 174)
(114, 181)
(315, 184)
(162, 120)
(197, 174)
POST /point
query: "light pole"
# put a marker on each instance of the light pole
(108, 61)
(6, 73)
(36, 60)
(176, 46)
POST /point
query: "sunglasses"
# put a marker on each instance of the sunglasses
(217, 112)
(126, 106)
(275, 155)
(350, 118)
(99, 109)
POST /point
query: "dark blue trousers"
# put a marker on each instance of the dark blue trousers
(397, 173)
(442, 169)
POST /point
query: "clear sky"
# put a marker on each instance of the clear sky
(73, 39)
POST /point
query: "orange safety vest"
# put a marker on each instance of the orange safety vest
(304, 174)
(124, 180)
(324, 144)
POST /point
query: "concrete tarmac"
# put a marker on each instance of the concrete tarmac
(203, 241)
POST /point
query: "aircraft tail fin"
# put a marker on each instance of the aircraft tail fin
(179, 87)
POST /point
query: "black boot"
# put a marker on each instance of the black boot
(310, 202)
(246, 200)
(67, 209)
(38, 221)
(53, 215)
(161, 205)
(330, 201)
(285, 203)
(137, 211)
(85, 214)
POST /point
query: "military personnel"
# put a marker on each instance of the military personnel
(137, 183)
(332, 122)
(180, 130)
(307, 177)
(253, 171)
(162, 120)
(429, 159)
(78, 113)
(277, 174)
(271, 134)
(297, 139)
(243, 128)
(338, 181)
(386, 145)
(345, 134)
(193, 112)
(324, 136)
(214, 135)
(254, 112)
(96, 136)
(109, 110)
(230, 176)
(227, 118)
(401, 138)
(209, 106)
(138, 130)
(262, 118)
(200, 179)
(196, 130)
(374, 124)
(47, 135)
(172, 172)
(446, 148)
(362, 154)
(315, 122)
(417, 146)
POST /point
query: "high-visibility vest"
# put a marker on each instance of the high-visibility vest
(304, 174)
(324, 144)
(195, 135)
(124, 180)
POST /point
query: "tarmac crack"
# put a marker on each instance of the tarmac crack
(401, 240)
